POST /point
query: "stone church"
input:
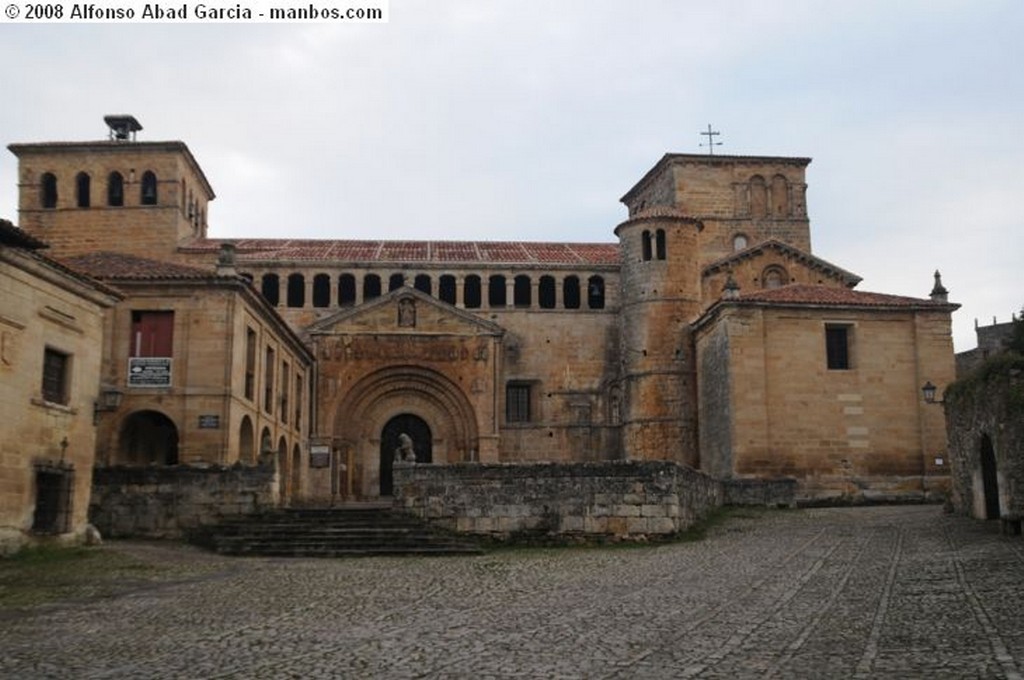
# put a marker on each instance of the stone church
(703, 330)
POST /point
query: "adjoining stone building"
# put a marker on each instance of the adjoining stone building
(51, 339)
(708, 334)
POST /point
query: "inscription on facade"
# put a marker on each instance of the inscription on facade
(403, 348)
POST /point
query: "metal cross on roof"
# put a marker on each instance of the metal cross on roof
(711, 144)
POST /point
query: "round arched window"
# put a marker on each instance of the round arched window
(739, 242)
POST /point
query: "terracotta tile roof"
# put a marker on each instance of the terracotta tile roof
(108, 266)
(440, 252)
(802, 294)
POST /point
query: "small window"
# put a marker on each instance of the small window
(546, 292)
(115, 190)
(268, 381)
(659, 238)
(595, 292)
(371, 287)
(496, 291)
(446, 289)
(147, 195)
(517, 402)
(471, 292)
(423, 284)
(645, 243)
(296, 290)
(270, 286)
(774, 277)
(250, 364)
(321, 290)
(55, 376)
(522, 295)
(739, 242)
(346, 290)
(82, 190)
(838, 343)
(49, 190)
(571, 292)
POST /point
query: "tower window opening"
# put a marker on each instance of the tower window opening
(571, 292)
(321, 290)
(446, 289)
(595, 292)
(423, 284)
(346, 290)
(115, 189)
(496, 296)
(371, 287)
(82, 190)
(522, 295)
(471, 292)
(49, 190)
(396, 281)
(645, 243)
(659, 238)
(296, 290)
(147, 193)
(270, 286)
(546, 292)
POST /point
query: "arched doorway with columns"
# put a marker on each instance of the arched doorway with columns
(424, 404)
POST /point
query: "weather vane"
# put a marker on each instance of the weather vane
(711, 144)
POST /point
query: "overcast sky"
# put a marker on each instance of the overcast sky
(486, 119)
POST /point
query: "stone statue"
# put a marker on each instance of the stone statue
(405, 453)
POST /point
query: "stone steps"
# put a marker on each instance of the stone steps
(331, 532)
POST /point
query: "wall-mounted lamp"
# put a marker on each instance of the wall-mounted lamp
(109, 399)
(929, 393)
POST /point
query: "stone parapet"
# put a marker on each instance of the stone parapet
(167, 502)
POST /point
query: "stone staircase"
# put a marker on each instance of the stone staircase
(344, 531)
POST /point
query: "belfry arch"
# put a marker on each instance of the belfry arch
(372, 402)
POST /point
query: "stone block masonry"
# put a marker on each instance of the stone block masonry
(621, 499)
(166, 502)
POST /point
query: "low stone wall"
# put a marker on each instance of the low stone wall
(166, 502)
(624, 499)
(771, 493)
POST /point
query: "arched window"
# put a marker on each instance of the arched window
(471, 294)
(546, 292)
(496, 291)
(571, 292)
(423, 284)
(739, 242)
(147, 194)
(758, 197)
(780, 196)
(49, 190)
(321, 290)
(246, 442)
(446, 289)
(346, 290)
(660, 244)
(82, 190)
(396, 281)
(371, 287)
(645, 243)
(115, 189)
(595, 292)
(296, 290)
(774, 277)
(522, 296)
(270, 286)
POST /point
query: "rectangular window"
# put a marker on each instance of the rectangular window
(250, 364)
(55, 376)
(268, 382)
(837, 346)
(284, 392)
(517, 403)
(152, 334)
(298, 401)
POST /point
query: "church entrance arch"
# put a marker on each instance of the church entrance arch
(989, 478)
(365, 423)
(418, 432)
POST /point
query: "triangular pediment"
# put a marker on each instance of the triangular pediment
(404, 311)
(791, 254)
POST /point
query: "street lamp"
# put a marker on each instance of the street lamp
(929, 393)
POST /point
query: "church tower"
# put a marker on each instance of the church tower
(660, 296)
(118, 194)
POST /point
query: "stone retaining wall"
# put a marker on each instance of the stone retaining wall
(624, 499)
(165, 502)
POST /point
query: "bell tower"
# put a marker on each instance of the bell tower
(116, 194)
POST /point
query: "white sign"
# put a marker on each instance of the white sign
(149, 372)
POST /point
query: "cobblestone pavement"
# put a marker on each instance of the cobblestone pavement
(883, 592)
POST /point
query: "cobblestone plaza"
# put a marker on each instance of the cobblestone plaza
(879, 592)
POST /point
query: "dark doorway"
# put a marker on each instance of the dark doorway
(989, 478)
(54, 489)
(418, 431)
(148, 438)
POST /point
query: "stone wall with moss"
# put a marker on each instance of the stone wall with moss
(989, 402)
